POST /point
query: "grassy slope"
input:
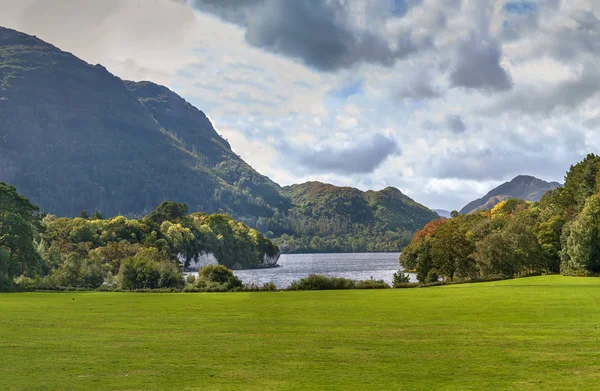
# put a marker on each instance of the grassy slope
(537, 333)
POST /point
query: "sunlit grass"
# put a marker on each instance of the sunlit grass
(525, 334)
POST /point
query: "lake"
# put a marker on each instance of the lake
(380, 266)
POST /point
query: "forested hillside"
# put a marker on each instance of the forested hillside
(559, 233)
(75, 137)
(334, 219)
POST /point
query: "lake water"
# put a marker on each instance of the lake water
(380, 266)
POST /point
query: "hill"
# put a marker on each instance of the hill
(329, 218)
(523, 187)
(75, 137)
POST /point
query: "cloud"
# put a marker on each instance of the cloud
(362, 157)
(455, 124)
(476, 63)
(119, 34)
(417, 88)
(565, 95)
(325, 35)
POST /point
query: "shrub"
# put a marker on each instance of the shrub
(191, 279)
(371, 284)
(400, 279)
(218, 278)
(316, 282)
(269, 287)
(92, 275)
(170, 276)
(432, 276)
(26, 283)
(138, 273)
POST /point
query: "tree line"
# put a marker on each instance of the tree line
(558, 234)
(89, 251)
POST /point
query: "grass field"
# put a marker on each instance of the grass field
(526, 334)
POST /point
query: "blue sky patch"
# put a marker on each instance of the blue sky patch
(522, 7)
(347, 90)
(399, 7)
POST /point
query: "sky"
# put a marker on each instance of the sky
(443, 99)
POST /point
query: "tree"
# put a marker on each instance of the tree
(168, 211)
(400, 278)
(97, 215)
(582, 248)
(83, 215)
(19, 222)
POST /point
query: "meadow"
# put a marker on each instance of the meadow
(525, 334)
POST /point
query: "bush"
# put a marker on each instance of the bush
(371, 284)
(316, 282)
(432, 276)
(138, 273)
(400, 279)
(218, 278)
(269, 287)
(191, 279)
(266, 287)
(170, 276)
(26, 283)
(92, 275)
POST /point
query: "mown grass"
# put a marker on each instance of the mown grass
(526, 334)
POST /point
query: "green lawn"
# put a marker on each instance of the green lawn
(527, 334)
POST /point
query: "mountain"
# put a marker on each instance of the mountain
(329, 218)
(442, 213)
(75, 137)
(522, 187)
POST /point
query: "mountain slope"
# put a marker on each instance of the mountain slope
(442, 213)
(76, 137)
(522, 187)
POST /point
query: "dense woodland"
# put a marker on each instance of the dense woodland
(558, 234)
(48, 252)
(75, 137)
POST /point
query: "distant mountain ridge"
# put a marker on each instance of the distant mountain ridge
(523, 187)
(347, 218)
(442, 213)
(75, 137)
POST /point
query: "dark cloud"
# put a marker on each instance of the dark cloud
(361, 158)
(477, 56)
(456, 124)
(320, 33)
(477, 65)
(417, 89)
